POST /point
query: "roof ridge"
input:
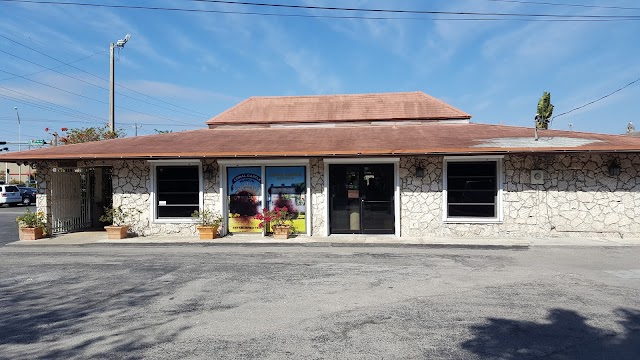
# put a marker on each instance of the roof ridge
(445, 104)
(230, 109)
(334, 95)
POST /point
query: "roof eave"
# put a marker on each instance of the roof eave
(427, 152)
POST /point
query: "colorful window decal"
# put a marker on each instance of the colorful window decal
(286, 187)
(244, 189)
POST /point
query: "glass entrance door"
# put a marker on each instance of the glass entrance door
(361, 199)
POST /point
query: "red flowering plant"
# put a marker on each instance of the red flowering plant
(276, 217)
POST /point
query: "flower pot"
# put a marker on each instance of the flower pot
(281, 232)
(31, 233)
(116, 232)
(207, 232)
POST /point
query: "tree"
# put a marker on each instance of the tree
(545, 110)
(83, 135)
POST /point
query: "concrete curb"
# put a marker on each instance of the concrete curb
(99, 238)
(23, 245)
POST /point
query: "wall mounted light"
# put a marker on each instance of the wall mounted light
(208, 173)
(614, 168)
(419, 171)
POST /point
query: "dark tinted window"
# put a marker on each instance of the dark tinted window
(177, 191)
(472, 189)
(11, 188)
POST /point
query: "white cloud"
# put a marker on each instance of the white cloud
(307, 64)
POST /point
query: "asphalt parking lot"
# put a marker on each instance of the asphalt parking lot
(238, 302)
(8, 225)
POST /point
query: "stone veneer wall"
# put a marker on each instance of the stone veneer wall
(578, 198)
(43, 199)
(318, 201)
(132, 190)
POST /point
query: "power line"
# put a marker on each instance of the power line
(80, 114)
(96, 100)
(66, 110)
(601, 98)
(56, 67)
(92, 84)
(48, 120)
(308, 7)
(54, 87)
(103, 79)
(36, 120)
(567, 5)
(492, 16)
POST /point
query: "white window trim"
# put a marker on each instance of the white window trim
(224, 164)
(152, 193)
(364, 160)
(499, 197)
(252, 162)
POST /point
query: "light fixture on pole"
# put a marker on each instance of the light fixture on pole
(19, 145)
(119, 44)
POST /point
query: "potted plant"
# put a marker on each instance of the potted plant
(279, 219)
(120, 221)
(208, 223)
(31, 225)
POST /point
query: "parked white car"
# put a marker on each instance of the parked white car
(10, 194)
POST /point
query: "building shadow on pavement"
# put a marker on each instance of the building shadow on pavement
(38, 321)
(566, 335)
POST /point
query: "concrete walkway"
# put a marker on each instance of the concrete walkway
(100, 237)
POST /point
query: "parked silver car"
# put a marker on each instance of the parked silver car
(10, 194)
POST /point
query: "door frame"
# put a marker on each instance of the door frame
(359, 161)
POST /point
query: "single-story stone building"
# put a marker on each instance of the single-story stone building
(393, 163)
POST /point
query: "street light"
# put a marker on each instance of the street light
(19, 145)
(119, 44)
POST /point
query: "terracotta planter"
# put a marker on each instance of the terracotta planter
(281, 232)
(31, 233)
(207, 232)
(116, 232)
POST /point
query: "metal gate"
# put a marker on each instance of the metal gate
(71, 199)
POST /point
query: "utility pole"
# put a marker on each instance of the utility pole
(136, 126)
(119, 44)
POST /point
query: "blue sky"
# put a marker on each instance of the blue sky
(207, 62)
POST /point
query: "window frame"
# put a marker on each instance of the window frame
(499, 218)
(225, 164)
(154, 187)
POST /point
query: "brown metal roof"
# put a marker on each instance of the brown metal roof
(338, 108)
(435, 138)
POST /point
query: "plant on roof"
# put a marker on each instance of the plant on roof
(545, 111)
